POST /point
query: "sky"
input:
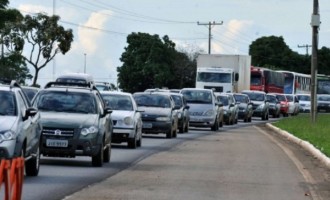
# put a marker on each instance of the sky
(100, 28)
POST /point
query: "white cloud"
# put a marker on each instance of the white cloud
(29, 9)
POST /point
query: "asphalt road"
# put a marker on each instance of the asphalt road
(245, 163)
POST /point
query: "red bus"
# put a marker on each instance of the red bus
(267, 80)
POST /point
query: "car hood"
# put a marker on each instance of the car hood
(257, 102)
(7, 122)
(242, 105)
(155, 110)
(120, 114)
(304, 102)
(70, 120)
(201, 107)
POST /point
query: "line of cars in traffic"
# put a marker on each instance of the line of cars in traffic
(72, 117)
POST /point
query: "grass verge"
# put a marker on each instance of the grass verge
(301, 126)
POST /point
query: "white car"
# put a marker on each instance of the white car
(293, 104)
(304, 102)
(126, 118)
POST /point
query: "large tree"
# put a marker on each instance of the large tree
(42, 36)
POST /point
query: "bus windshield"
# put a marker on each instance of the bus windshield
(214, 77)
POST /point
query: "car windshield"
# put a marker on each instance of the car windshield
(304, 98)
(102, 87)
(281, 97)
(240, 98)
(323, 98)
(177, 100)
(73, 102)
(223, 99)
(152, 100)
(30, 92)
(289, 98)
(197, 96)
(256, 96)
(271, 98)
(7, 103)
(214, 77)
(118, 102)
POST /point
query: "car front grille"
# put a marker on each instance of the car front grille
(65, 132)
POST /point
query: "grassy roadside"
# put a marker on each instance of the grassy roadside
(317, 134)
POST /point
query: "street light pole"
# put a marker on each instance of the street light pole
(85, 63)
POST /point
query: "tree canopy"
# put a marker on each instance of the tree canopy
(43, 35)
(152, 62)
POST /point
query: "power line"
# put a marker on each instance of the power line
(305, 46)
(211, 25)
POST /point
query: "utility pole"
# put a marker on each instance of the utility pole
(305, 46)
(211, 25)
(315, 23)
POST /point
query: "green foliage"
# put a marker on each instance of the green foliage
(43, 35)
(152, 62)
(315, 133)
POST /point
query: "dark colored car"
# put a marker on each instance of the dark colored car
(183, 112)
(245, 110)
(75, 121)
(20, 128)
(274, 105)
(159, 113)
(323, 103)
(259, 103)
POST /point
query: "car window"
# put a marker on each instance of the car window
(118, 102)
(177, 100)
(75, 102)
(152, 100)
(256, 96)
(271, 99)
(198, 96)
(289, 98)
(281, 97)
(223, 99)
(7, 103)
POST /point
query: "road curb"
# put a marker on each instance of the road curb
(304, 144)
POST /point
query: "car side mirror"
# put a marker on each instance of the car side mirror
(176, 107)
(187, 107)
(30, 112)
(231, 105)
(106, 111)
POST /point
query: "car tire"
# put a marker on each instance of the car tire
(107, 153)
(132, 142)
(32, 165)
(186, 129)
(97, 160)
(181, 129)
(215, 126)
(169, 134)
(175, 133)
(250, 119)
(139, 142)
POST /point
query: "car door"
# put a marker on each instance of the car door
(30, 124)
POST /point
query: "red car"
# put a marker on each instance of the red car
(284, 104)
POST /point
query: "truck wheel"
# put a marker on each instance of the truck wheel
(97, 160)
(32, 166)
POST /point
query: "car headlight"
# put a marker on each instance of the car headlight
(163, 119)
(90, 130)
(260, 107)
(179, 115)
(7, 135)
(128, 121)
(209, 113)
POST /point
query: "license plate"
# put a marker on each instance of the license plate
(56, 143)
(147, 125)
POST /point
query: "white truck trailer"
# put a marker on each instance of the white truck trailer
(224, 73)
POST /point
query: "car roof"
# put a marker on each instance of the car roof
(79, 76)
(253, 91)
(116, 93)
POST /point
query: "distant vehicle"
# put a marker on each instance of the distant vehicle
(20, 129)
(284, 103)
(204, 109)
(323, 84)
(232, 100)
(293, 104)
(76, 78)
(103, 86)
(182, 110)
(323, 103)
(260, 103)
(296, 83)
(157, 90)
(267, 80)
(223, 73)
(274, 105)
(30, 91)
(304, 103)
(175, 90)
(159, 113)
(75, 121)
(126, 118)
(245, 107)
(229, 113)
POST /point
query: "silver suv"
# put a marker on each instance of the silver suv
(75, 121)
(20, 129)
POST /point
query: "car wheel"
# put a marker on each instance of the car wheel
(175, 133)
(250, 119)
(32, 165)
(132, 142)
(107, 153)
(186, 129)
(139, 142)
(97, 160)
(215, 126)
(221, 124)
(181, 129)
(169, 134)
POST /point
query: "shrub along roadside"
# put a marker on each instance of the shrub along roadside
(317, 134)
